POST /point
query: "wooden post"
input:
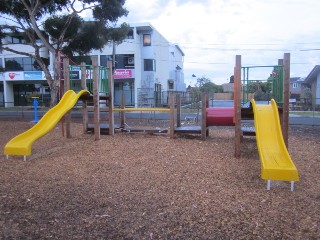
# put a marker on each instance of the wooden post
(66, 88)
(203, 116)
(237, 106)
(178, 97)
(110, 95)
(207, 105)
(84, 102)
(122, 113)
(96, 107)
(286, 96)
(171, 103)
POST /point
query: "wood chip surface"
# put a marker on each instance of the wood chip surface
(148, 186)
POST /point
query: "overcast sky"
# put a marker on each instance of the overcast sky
(212, 32)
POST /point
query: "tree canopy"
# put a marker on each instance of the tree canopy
(205, 85)
(262, 90)
(58, 26)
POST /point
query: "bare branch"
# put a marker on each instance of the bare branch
(33, 22)
(83, 7)
(18, 52)
(9, 19)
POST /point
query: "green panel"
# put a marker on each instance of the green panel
(276, 80)
(76, 83)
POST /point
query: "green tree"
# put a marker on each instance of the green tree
(307, 96)
(231, 79)
(262, 90)
(205, 85)
(201, 81)
(211, 87)
(64, 31)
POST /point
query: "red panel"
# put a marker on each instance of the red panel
(219, 116)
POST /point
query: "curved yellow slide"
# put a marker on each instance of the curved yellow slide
(21, 144)
(276, 163)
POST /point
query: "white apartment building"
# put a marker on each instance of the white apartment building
(147, 67)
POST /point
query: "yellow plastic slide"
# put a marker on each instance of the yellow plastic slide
(21, 144)
(276, 163)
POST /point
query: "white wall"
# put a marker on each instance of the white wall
(8, 94)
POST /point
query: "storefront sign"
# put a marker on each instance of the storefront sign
(75, 75)
(33, 75)
(13, 76)
(122, 73)
(25, 76)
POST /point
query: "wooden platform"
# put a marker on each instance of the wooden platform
(248, 131)
(247, 113)
(188, 129)
(147, 130)
(104, 128)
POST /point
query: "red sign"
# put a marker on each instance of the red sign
(14, 76)
(122, 73)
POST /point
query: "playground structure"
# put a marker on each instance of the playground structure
(272, 140)
(271, 130)
(275, 164)
(21, 145)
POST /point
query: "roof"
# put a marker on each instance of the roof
(294, 79)
(142, 26)
(182, 53)
(313, 74)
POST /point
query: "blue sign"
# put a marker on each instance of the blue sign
(33, 75)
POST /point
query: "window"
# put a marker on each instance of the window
(104, 59)
(21, 64)
(149, 65)
(295, 85)
(17, 40)
(86, 59)
(122, 60)
(130, 34)
(170, 84)
(146, 39)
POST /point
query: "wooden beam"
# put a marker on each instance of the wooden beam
(84, 102)
(67, 116)
(96, 107)
(237, 106)
(178, 97)
(171, 103)
(203, 116)
(110, 95)
(286, 96)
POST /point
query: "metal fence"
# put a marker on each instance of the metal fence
(301, 113)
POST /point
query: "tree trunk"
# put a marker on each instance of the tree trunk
(54, 81)
(54, 92)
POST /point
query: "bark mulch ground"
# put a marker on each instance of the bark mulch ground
(143, 186)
